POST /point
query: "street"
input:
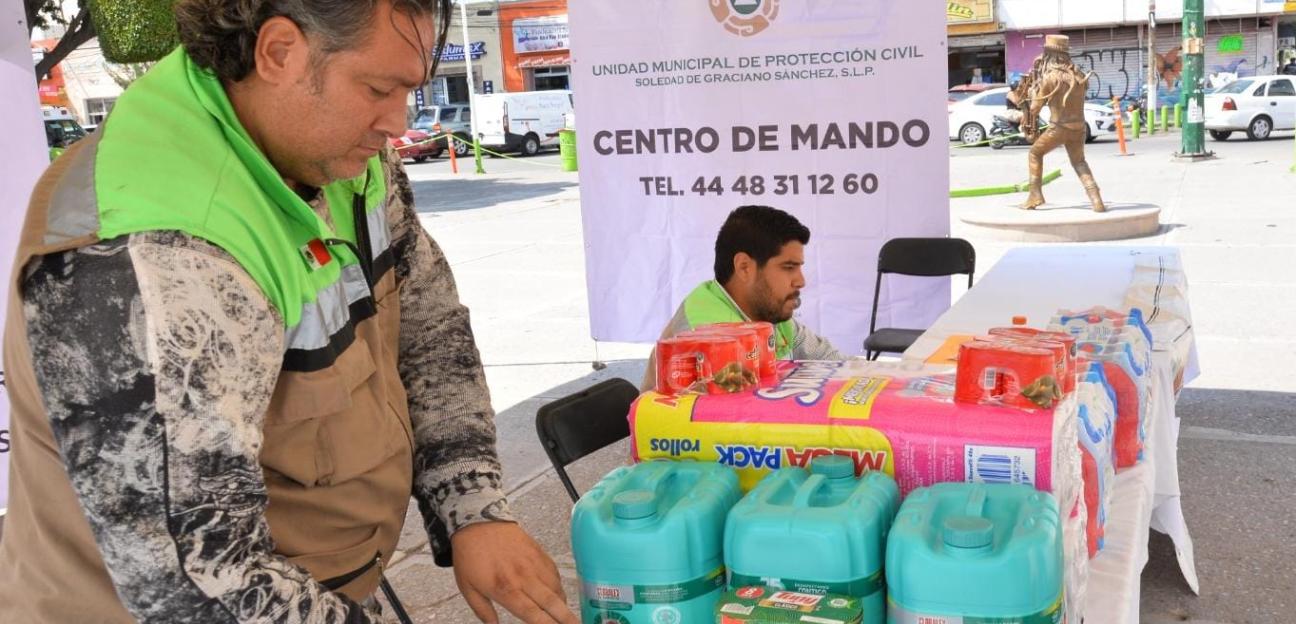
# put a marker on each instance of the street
(513, 237)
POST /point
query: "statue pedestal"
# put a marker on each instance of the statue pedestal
(1061, 222)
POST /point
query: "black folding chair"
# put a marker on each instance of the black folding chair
(577, 425)
(925, 257)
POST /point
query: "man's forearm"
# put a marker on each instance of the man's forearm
(457, 476)
(812, 346)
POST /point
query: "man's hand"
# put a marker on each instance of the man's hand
(497, 562)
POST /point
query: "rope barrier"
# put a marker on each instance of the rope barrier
(494, 153)
(452, 137)
(1003, 190)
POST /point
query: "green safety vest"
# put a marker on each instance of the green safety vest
(337, 439)
(221, 188)
(709, 303)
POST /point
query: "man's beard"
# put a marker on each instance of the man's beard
(766, 308)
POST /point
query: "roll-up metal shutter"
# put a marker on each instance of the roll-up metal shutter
(1115, 57)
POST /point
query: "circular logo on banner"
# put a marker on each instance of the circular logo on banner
(745, 17)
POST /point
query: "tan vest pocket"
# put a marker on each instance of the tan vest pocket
(330, 425)
(346, 569)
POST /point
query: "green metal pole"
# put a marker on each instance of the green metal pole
(477, 155)
(1151, 121)
(1165, 118)
(1136, 124)
(1178, 115)
(1193, 139)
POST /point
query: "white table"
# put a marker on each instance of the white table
(1037, 281)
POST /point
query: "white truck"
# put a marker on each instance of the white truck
(521, 122)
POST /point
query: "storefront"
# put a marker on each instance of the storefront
(449, 85)
(1117, 55)
(1285, 30)
(976, 45)
(535, 44)
(52, 88)
(83, 82)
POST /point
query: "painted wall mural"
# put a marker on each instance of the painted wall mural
(1119, 68)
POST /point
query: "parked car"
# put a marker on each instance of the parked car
(417, 145)
(1257, 105)
(971, 120)
(61, 129)
(447, 118)
(523, 122)
(958, 93)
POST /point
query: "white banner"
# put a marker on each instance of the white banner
(541, 34)
(21, 162)
(829, 109)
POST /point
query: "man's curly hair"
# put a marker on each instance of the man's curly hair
(221, 35)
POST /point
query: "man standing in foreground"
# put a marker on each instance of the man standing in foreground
(759, 253)
(234, 354)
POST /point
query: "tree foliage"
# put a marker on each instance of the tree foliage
(127, 73)
(129, 31)
(46, 13)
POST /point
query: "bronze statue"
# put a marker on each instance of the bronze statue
(1056, 82)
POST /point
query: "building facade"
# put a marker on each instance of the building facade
(1110, 38)
(536, 45)
(449, 85)
(976, 42)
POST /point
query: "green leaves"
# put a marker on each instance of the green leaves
(134, 31)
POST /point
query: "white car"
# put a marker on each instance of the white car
(1257, 105)
(971, 119)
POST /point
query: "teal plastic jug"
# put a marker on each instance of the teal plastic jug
(976, 553)
(821, 531)
(647, 541)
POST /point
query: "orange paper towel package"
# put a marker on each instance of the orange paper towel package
(1009, 373)
(710, 364)
(1067, 372)
(748, 338)
(765, 333)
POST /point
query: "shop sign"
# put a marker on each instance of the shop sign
(969, 11)
(1231, 44)
(455, 53)
(541, 34)
(1286, 6)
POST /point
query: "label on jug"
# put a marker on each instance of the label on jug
(899, 615)
(759, 604)
(858, 588)
(611, 597)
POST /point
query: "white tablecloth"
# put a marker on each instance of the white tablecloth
(1035, 282)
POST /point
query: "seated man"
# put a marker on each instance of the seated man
(758, 258)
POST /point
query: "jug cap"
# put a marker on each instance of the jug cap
(968, 532)
(634, 504)
(833, 466)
